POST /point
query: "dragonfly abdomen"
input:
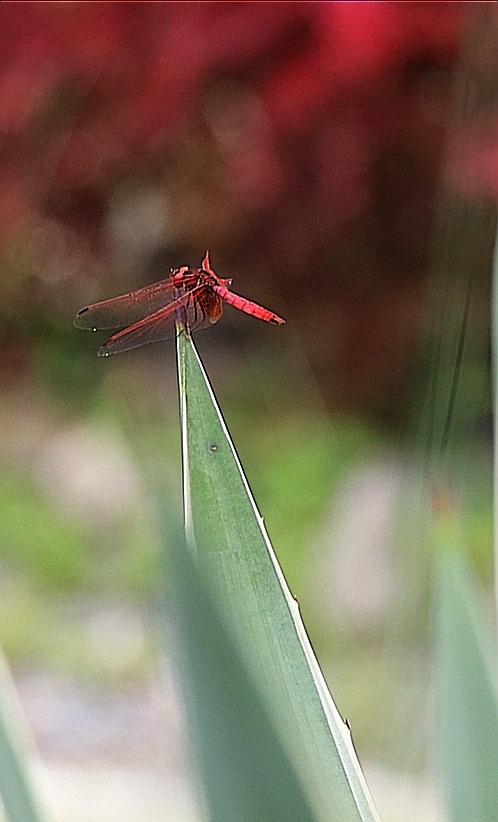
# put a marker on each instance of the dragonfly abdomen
(247, 306)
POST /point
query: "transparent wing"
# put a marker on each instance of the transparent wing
(158, 326)
(127, 309)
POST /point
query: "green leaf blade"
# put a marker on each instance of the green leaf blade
(226, 536)
(17, 793)
(466, 697)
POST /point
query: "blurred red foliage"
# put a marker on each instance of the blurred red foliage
(288, 137)
(88, 88)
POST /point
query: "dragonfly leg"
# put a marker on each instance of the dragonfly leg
(181, 313)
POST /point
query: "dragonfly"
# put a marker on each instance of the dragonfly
(191, 298)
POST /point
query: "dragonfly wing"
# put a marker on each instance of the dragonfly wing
(119, 312)
(158, 326)
(247, 306)
(211, 305)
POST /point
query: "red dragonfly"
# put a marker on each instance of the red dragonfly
(192, 297)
